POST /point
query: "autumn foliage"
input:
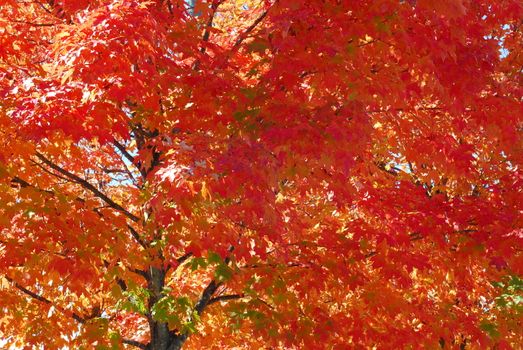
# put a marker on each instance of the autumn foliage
(261, 174)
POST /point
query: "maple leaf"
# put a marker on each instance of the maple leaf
(299, 174)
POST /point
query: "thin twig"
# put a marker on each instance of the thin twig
(33, 24)
(249, 29)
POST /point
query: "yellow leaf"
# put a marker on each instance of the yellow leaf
(62, 35)
(205, 191)
(191, 187)
(67, 76)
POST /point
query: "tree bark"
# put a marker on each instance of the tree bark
(160, 335)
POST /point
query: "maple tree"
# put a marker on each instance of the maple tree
(261, 174)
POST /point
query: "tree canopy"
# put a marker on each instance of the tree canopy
(261, 174)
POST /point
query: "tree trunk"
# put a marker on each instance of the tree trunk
(160, 335)
(178, 342)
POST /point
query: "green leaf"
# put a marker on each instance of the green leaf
(223, 273)
(250, 93)
(136, 300)
(350, 49)
(214, 258)
(489, 328)
(258, 46)
(198, 262)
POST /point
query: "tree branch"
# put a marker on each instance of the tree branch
(124, 151)
(225, 298)
(180, 260)
(137, 237)
(32, 24)
(88, 186)
(25, 184)
(74, 315)
(207, 32)
(59, 12)
(202, 303)
(249, 29)
(183, 258)
(134, 233)
(206, 296)
(44, 8)
(44, 300)
(49, 172)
